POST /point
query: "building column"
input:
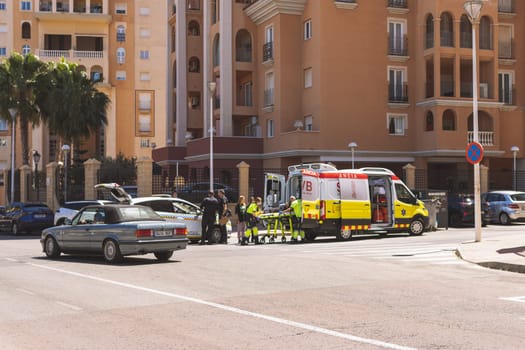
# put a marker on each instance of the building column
(182, 81)
(484, 178)
(226, 67)
(244, 178)
(410, 176)
(88, 6)
(144, 176)
(91, 168)
(437, 57)
(51, 186)
(25, 171)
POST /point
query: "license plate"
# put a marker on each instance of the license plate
(39, 216)
(163, 233)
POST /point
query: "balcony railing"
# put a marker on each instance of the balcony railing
(268, 97)
(429, 89)
(268, 51)
(506, 96)
(447, 88)
(397, 45)
(506, 49)
(486, 138)
(70, 53)
(506, 6)
(400, 4)
(397, 93)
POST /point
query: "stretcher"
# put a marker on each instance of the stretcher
(277, 224)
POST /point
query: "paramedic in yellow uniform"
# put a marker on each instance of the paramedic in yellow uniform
(251, 215)
(296, 211)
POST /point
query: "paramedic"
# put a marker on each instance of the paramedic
(296, 212)
(251, 215)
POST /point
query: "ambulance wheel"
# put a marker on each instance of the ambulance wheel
(283, 239)
(344, 235)
(262, 240)
(309, 236)
(416, 227)
(215, 235)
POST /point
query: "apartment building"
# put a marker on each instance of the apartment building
(299, 80)
(121, 44)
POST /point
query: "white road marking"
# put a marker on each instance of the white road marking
(516, 299)
(11, 259)
(304, 326)
(69, 306)
(25, 291)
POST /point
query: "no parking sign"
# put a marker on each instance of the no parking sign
(474, 152)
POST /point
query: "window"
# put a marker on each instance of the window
(3, 28)
(396, 124)
(194, 28)
(308, 78)
(145, 76)
(3, 51)
(194, 100)
(269, 128)
(26, 30)
(449, 120)
(308, 123)
(4, 125)
(121, 9)
(505, 82)
(121, 75)
(121, 55)
(144, 102)
(144, 33)
(194, 65)
(144, 123)
(25, 5)
(26, 49)
(144, 11)
(121, 33)
(429, 121)
(308, 29)
(268, 91)
(396, 85)
(396, 38)
(3, 5)
(144, 54)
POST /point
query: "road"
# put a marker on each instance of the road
(397, 292)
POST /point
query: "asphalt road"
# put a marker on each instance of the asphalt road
(397, 292)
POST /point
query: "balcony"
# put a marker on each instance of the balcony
(398, 45)
(506, 7)
(397, 93)
(79, 10)
(506, 50)
(346, 4)
(486, 138)
(268, 52)
(84, 58)
(447, 39)
(397, 7)
(506, 96)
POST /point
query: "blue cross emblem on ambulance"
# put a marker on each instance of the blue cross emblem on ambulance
(403, 212)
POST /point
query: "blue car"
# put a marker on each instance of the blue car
(26, 218)
(504, 207)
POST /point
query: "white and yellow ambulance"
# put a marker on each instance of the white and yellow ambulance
(345, 202)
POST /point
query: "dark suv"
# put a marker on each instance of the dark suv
(461, 210)
(196, 192)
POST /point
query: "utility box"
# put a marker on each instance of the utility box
(437, 204)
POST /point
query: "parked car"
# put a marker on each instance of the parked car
(461, 210)
(69, 209)
(504, 207)
(115, 231)
(196, 192)
(172, 209)
(26, 218)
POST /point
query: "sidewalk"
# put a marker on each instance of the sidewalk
(502, 253)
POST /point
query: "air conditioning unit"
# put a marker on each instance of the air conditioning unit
(484, 90)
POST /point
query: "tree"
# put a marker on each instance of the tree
(70, 104)
(18, 77)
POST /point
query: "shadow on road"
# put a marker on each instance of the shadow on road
(99, 260)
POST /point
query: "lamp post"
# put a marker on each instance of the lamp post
(65, 150)
(13, 112)
(473, 10)
(514, 150)
(211, 86)
(36, 160)
(352, 146)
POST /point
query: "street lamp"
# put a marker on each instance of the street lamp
(473, 10)
(352, 146)
(13, 112)
(514, 150)
(211, 86)
(36, 159)
(65, 150)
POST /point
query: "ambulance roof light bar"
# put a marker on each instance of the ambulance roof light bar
(377, 170)
(311, 166)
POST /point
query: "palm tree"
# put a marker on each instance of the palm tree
(70, 104)
(18, 76)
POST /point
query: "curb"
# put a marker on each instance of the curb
(495, 265)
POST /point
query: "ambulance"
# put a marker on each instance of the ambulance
(342, 203)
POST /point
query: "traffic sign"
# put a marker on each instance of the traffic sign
(474, 152)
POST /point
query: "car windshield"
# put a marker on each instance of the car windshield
(138, 213)
(33, 208)
(518, 197)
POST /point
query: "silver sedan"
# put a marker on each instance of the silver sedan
(115, 231)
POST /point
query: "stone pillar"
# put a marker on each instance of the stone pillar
(51, 186)
(244, 176)
(5, 187)
(410, 175)
(144, 177)
(483, 178)
(25, 171)
(91, 168)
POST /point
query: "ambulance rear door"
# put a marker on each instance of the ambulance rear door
(274, 192)
(356, 211)
(310, 197)
(330, 197)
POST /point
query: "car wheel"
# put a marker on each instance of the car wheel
(51, 248)
(454, 220)
(504, 219)
(163, 256)
(112, 251)
(416, 227)
(344, 235)
(215, 236)
(309, 235)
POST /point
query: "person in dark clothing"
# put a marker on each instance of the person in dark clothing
(209, 207)
(223, 212)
